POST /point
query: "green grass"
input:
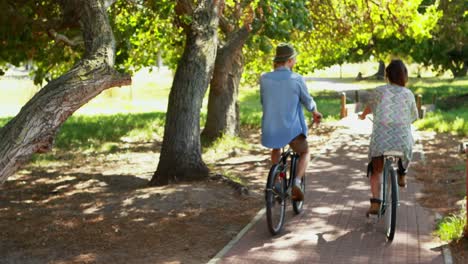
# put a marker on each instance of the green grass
(451, 227)
(443, 90)
(102, 132)
(92, 132)
(249, 107)
(233, 177)
(451, 102)
(225, 144)
(251, 110)
(453, 121)
(328, 103)
(100, 124)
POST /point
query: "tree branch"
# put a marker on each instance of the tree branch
(184, 7)
(225, 25)
(62, 38)
(401, 27)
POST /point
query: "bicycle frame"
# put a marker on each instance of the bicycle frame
(284, 161)
(276, 196)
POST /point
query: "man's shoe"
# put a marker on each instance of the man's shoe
(374, 207)
(297, 193)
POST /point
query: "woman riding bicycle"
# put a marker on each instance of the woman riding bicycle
(283, 93)
(394, 109)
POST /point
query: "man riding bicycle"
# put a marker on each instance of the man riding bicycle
(282, 94)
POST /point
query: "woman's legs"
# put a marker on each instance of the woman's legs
(301, 147)
(402, 170)
(377, 168)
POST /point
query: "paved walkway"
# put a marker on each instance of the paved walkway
(332, 227)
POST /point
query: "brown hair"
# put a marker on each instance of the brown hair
(278, 64)
(397, 73)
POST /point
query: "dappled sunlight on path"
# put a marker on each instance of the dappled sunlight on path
(333, 227)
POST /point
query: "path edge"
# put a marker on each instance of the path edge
(446, 253)
(231, 243)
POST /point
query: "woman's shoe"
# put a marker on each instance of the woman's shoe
(402, 180)
(401, 172)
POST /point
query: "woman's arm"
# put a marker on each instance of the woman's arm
(366, 111)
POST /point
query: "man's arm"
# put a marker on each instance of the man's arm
(306, 100)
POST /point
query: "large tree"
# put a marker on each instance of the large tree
(246, 24)
(181, 151)
(447, 47)
(34, 128)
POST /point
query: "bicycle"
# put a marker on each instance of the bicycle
(389, 194)
(278, 190)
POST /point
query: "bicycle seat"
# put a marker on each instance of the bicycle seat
(393, 153)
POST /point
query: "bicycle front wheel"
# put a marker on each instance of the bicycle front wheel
(275, 199)
(391, 204)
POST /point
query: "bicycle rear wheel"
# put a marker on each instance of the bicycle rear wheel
(297, 205)
(391, 201)
(275, 199)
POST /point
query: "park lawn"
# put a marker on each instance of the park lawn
(251, 109)
(451, 100)
(91, 130)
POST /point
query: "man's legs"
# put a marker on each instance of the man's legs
(275, 155)
(301, 147)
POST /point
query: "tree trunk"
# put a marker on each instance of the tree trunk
(380, 75)
(181, 151)
(223, 108)
(459, 71)
(34, 128)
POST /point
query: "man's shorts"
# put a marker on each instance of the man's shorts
(299, 144)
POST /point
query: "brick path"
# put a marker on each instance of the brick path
(332, 227)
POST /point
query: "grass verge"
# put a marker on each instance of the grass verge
(451, 99)
(450, 228)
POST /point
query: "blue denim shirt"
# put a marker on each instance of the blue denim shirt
(282, 92)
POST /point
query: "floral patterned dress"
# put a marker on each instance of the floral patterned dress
(394, 109)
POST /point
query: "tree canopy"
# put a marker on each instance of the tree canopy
(62, 42)
(353, 31)
(446, 48)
